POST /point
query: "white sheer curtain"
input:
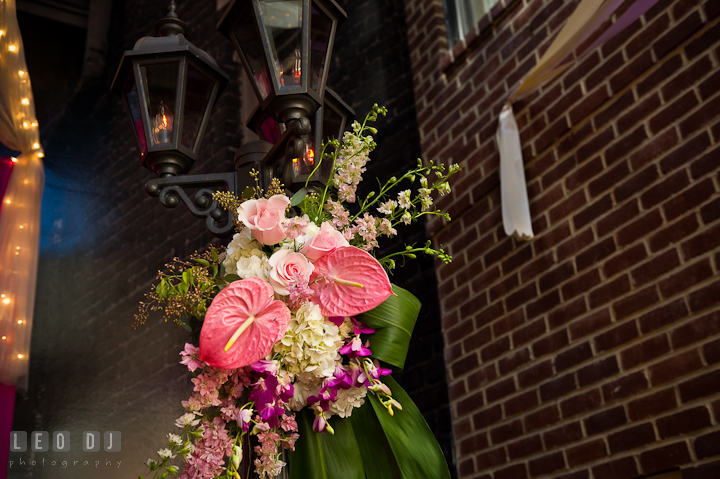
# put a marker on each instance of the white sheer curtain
(586, 20)
(20, 212)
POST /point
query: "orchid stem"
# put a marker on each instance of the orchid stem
(239, 331)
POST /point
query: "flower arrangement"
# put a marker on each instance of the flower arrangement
(297, 328)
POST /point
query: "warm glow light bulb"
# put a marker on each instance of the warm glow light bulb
(6, 301)
(14, 160)
(41, 155)
(19, 321)
(12, 48)
(36, 145)
(22, 227)
(25, 101)
(21, 73)
(163, 127)
(26, 124)
(20, 356)
(34, 123)
(4, 338)
(8, 201)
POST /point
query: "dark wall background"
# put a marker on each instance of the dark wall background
(103, 239)
(371, 64)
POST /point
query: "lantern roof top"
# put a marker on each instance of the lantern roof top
(159, 47)
(227, 21)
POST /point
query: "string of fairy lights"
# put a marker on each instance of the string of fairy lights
(19, 215)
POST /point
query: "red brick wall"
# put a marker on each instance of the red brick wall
(592, 351)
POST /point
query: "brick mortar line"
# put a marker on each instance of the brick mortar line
(663, 330)
(605, 106)
(674, 384)
(586, 294)
(613, 233)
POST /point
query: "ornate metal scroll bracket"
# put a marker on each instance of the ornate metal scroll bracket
(171, 190)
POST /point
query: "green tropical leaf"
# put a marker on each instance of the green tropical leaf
(229, 278)
(376, 453)
(416, 450)
(185, 323)
(325, 456)
(394, 321)
(248, 193)
(298, 197)
(203, 262)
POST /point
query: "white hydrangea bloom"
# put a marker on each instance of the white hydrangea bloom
(347, 400)
(245, 257)
(310, 345)
(301, 391)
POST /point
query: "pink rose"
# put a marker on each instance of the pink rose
(285, 265)
(265, 218)
(326, 241)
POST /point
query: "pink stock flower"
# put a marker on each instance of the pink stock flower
(190, 357)
(295, 227)
(340, 216)
(265, 218)
(285, 266)
(326, 241)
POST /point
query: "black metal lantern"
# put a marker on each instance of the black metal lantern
(169, 87)
(329, 121)
(285, 46)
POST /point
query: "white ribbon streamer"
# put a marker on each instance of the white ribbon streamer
(513, 190)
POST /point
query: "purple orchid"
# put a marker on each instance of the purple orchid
(319, 424)
(266, 366)
(374, 370)
(355, 348)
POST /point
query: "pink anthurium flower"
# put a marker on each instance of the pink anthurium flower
(349, 281)
(242, 324)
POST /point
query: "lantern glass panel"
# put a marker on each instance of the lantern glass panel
(162, 79)
(269, 130)
(197, 100)
(282, 20)
(303, 166)
(246, 37)
(321, 28)
(133, 106)
(331, 128)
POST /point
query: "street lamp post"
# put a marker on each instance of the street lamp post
(169, 87)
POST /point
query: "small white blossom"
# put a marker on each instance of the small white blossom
(404, 199)
(165, 454)
(388, 207)
(188, 419)
(174, 439)
(406, 218)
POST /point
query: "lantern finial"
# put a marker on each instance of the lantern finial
(171, 24)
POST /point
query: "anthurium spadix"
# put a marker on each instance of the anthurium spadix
(349, 281)
(242, 324)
